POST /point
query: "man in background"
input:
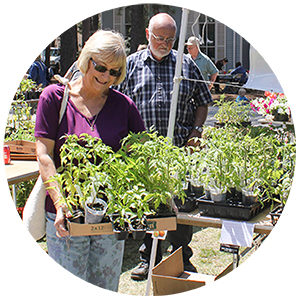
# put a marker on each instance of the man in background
(207, 67)
(38, 72)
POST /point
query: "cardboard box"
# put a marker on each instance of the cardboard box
(156, 224)
(76, 229)
(22, 150)
(169, 277)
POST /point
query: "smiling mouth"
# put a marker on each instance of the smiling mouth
(100, 81)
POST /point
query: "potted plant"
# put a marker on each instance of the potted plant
(82, 176)
(231, 112)
(194, 184)
(159, 166)
(278, 179)
(139, 180)
(94, 207)
(273, 106)
(28, 89)
(259, 168)
(218, 160)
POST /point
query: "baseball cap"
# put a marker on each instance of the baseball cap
(192, 41)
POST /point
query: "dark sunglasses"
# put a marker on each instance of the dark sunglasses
(103, 69)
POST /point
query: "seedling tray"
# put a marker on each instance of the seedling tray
(231, 209)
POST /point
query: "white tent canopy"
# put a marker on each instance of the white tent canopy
(261, 77)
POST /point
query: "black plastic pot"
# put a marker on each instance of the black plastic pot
(233, 195)
(235, 211)
(248, 198)
(281, 117)
(78, 217)
(198, 191)
(121, 235)
(138, 234)
(189, 204)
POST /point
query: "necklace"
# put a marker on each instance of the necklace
(92, 124)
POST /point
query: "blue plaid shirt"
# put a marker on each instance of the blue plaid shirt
(149, 84)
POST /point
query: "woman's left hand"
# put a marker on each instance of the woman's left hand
(59, 223)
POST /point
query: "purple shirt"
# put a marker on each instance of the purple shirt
(117, 118)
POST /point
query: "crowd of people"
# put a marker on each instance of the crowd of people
(110, 95)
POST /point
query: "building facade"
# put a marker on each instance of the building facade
(219, 41)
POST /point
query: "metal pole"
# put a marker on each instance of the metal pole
(173, 108)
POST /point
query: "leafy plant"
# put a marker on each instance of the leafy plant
(82, 171)
(27, 86)
(138, 180)
(20, 123)
(231, 112)
(258, 159)
(23, 190)
(158, 165)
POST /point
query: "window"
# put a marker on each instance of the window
(211, 32)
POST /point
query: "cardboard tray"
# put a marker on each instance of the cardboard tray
(231, 210)
(22, 150)
(76, 229)
(169, 277)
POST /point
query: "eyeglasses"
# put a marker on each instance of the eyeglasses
(103, 69)
(161, 39)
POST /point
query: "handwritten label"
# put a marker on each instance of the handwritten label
(97, 228)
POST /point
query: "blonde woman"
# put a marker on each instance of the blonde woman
(95, 108)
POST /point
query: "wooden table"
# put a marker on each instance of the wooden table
(19, 171)
(262, 221)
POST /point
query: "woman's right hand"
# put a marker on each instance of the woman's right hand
(59, 223)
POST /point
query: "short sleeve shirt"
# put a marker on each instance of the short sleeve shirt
(206, 66)
(149, 83)
(117, 118)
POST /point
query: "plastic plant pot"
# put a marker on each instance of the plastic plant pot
(218, 196)
(121, 235)
(94, 210)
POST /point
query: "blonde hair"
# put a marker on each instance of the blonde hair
(108, 47)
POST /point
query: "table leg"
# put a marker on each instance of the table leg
(14, 194)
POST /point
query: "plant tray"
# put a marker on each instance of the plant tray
(230, 210)
(77, 229)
